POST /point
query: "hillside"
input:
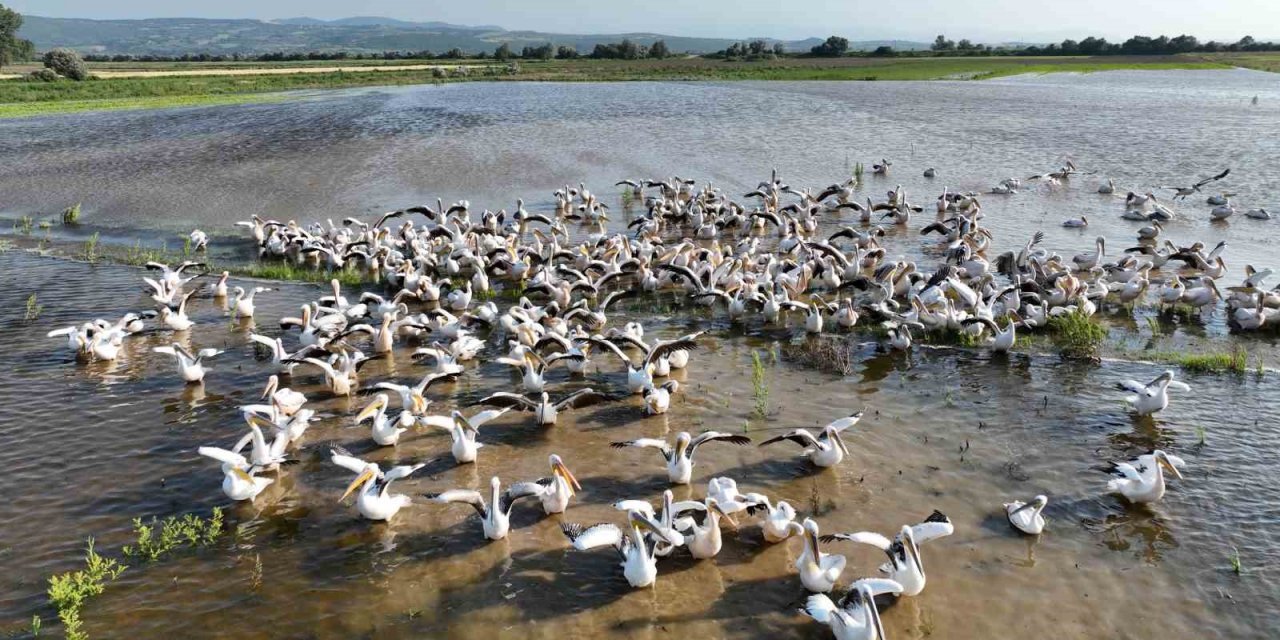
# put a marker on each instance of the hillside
(177, 36)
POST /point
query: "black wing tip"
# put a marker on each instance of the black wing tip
(739, 440)
(937, 516)
(828, 537)
(619, 445)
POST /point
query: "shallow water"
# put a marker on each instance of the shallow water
(104, 443)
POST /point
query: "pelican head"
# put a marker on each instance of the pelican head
(559, 469)
(370, 470)
(682, 442)
(1036, 504)
(379, 403)
(273, 383)
(1162, 459)
(714, 505)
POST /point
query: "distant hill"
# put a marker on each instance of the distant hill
(177, 36)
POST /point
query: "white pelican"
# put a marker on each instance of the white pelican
(494, 514)
(177, 319)
(242, 307)
(1108, 188)
(777, 518)
(385, 430)
(1002, 340)
(826, 450)
(1143, 478)
(191, 367)
(1183, 192)
(412, 400)
(1027, 516)
(818, 571)
(670, 519)
(704, 540)
(239, 480)
(1152, 397)
(855, 616)
(1258, 214)
(640, 374)
(680, 457)
(657, 399)
(282, 360)
(464, 431)
(198, 240)
(639, 564)
(533, 368)
(374, 502)
(545, 411)
(1076, 223)
(219, 289)
(286, 400)
(905, 565)
(553, 491)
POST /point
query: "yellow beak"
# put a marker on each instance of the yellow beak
(369, 411)
(568, 476)
(355, 484)
(240, 473)
(419, 404)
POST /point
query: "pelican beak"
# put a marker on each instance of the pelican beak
(641, 521)
(728, 518)
(272, 383)
(369, 411)
(1172, 469)
(419, 404)
(242, 474)
(875, 612)
(560, 469)
(364, 477)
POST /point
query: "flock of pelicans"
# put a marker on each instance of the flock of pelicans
(442, 263)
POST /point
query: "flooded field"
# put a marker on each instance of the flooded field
(90, 447)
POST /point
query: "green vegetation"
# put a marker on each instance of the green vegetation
(66, 63)
(158, 538)
(759, 385)
(69, 591)
(1077, 336)
(12, 48)
(1236, 565)
(34, 309)
(1236, 360)
(23, 225)
(91, 248)
(72, 214)
(1200, 441)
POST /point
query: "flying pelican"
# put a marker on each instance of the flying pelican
(1152, 397)
(553, 491)
(1183, 192)
(905, 565)
(495, 514)
(191, 367)
(1026, 516)
(545, 412)
(826, 450)
(374, 502)
(239, 480)
(1143, 478)
(639, 564)
(680, 458)
(855, 616)
(818, 571)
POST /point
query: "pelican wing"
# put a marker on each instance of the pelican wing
(1180, 386)
(709, 436)
(865, 537)
(591, 537)
(480, 419)
(667, 347)
(611, 348)
(800, 436)
(463, 496)
(344, 459)
(223, 456)
(935, 526)
(641, 506)
(652, 443)
(581, 398)
(1134, 386)
(877, 586)
(506, 399)
(516, 492)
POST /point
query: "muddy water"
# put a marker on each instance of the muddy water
(88, 447)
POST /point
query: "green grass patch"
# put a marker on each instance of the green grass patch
(1077, 336)
(158, 538)
(54, 106)
(1236, 360)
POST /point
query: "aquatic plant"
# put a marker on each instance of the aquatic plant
(1200, 436)
(1236, 565)
(157, 538)
(759, 385)
(23, 225)
(33, 308)
(91, 248)
(36, 622)
(627, 198)
(186, 246)
(255, 572)
(71, 215)
(69, 591)
(831, 356)
(1077, 336)
(857, 173)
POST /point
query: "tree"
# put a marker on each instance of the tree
(566, 52)
(67, 63)
(502, 53)
(941, 43)
(884, 51)
(834, 47)
(778, 49)
(659, 49)
(12, 48)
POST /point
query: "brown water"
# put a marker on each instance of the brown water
(89, 447)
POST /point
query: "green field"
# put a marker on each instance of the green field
(21, 98)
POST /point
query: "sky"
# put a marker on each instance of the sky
(978, 20)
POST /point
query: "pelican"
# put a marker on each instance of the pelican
(1027, 516)
(777, 517)
(818, 571)
(1258, 214)
(242, 306)
(1142, 480)
(680, 457)
(1152, 397)
(374, 500)
(657, 399)
(1087, 261)
(640, 374)
(1183, 192)
(177, 319)
(545, 411)
(385, 430)
(826, 450)
(704, 540)
(639, 564)
(533, 368)
(1076, 223)
(286, 400)
(198, 240)
(905, 565)
(464, 431)
(855, 616)
(495, 514)
(930, 173)
(239, 480)
(191, 367)
(1108, 188)
(553, 491)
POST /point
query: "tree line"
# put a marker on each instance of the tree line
(1091, 46)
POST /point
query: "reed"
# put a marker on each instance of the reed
(71, 215)
(1234, 360)
(23, 225)
(759, 385)
(91, 248)
(34, 308)
(1236, 565)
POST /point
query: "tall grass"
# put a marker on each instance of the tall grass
(1077, 336)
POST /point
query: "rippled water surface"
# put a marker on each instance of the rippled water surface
(89, 447)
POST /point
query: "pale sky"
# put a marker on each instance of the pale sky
(979, 20)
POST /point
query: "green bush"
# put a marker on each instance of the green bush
(42, 75)
(66, 63)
